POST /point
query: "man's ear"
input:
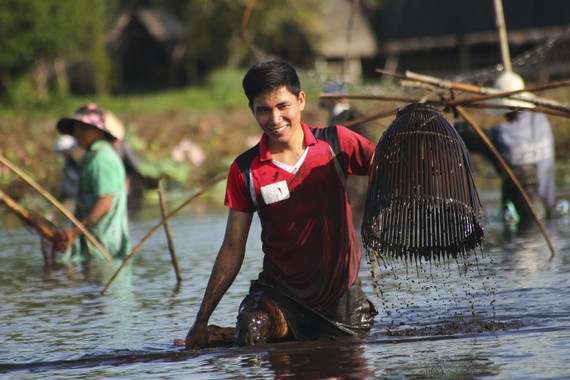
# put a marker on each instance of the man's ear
(301, 98)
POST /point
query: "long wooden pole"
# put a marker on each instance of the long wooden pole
(364, 119)
(31, 220)
(245, 17)
(26, 216)
(57, 205)
(168, 233)
(443, 83)
(492, 92)
(153, 230)
(509, 172)
(502, 29)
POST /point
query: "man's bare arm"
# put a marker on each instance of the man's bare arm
(226, 268)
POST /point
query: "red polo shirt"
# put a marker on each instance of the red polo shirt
(309, 242)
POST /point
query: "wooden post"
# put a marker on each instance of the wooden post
(153, 230)
(503, 41)
(168, 232)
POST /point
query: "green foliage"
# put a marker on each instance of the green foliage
(36, 34)
(225, 86)
(290, 30)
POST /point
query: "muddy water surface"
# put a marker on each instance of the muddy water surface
(505, 316)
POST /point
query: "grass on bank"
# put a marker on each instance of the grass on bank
(215, 116)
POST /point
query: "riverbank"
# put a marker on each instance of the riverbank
(190, 135)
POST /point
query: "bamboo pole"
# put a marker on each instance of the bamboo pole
(153, 230)
(442, 102)
(392, 98)
(450, 85)
(27, 217)
(502, 29)
(364, 119)
(168, 233)
(471, 88)
(57, 205)
(509, 172)
(245, 17)
(348, 40)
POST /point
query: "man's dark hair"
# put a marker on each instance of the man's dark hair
(268, 76)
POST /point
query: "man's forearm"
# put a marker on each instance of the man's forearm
(223, 275)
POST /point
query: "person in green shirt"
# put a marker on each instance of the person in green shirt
(101, 200)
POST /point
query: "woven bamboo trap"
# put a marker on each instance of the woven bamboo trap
(422, 203)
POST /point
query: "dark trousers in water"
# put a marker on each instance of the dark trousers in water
(351, 316)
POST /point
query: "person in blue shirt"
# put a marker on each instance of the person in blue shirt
(525, 141)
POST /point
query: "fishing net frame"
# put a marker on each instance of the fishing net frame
(422, 203)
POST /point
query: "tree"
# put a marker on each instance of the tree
(41, 38)
(287, 29)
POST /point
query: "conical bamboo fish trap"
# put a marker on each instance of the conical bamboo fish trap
(422, 203)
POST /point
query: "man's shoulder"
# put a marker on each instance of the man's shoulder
(325, 133)
(243, 161)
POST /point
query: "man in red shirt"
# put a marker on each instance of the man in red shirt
(295, 178)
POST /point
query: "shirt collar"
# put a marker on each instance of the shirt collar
(265, 155)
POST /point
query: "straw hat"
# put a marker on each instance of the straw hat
(115, 126)
(510, 81)
(92, 115)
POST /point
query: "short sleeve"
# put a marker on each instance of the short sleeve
(359, 150)
(237, 196)
(108, 173)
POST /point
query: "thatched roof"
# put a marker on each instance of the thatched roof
(337, 15)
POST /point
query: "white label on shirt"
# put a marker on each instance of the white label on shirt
(275, 192)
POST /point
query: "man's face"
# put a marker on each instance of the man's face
(85, 135)
(278, 113)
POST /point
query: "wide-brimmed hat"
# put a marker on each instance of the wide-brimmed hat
(510, 81)
(114, 125)
(90, 114)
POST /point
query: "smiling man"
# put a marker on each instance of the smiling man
(295, 179)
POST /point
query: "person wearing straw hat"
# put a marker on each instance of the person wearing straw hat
(101, 199)
(136, 181)
(525, 141)
(294, 178)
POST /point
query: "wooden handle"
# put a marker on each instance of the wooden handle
(26, 216)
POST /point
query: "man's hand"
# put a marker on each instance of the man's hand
(197, 337)
(63, 238)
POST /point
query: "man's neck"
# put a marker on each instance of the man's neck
(290, 151)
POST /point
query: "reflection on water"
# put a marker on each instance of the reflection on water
(504, 315)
